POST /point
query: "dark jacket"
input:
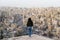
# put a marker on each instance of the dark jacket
(29, 23)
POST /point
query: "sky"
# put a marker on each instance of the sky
(29, 3)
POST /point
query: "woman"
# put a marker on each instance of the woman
(29, 26)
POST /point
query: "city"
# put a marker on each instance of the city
(46, 22)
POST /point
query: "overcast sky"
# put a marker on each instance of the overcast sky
(30, 3)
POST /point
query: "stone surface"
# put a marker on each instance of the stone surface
(26, 37)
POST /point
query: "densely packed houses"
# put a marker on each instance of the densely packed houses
(45, 19)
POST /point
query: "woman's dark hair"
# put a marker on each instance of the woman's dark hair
(29, 19)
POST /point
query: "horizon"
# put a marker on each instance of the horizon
(29, 3)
